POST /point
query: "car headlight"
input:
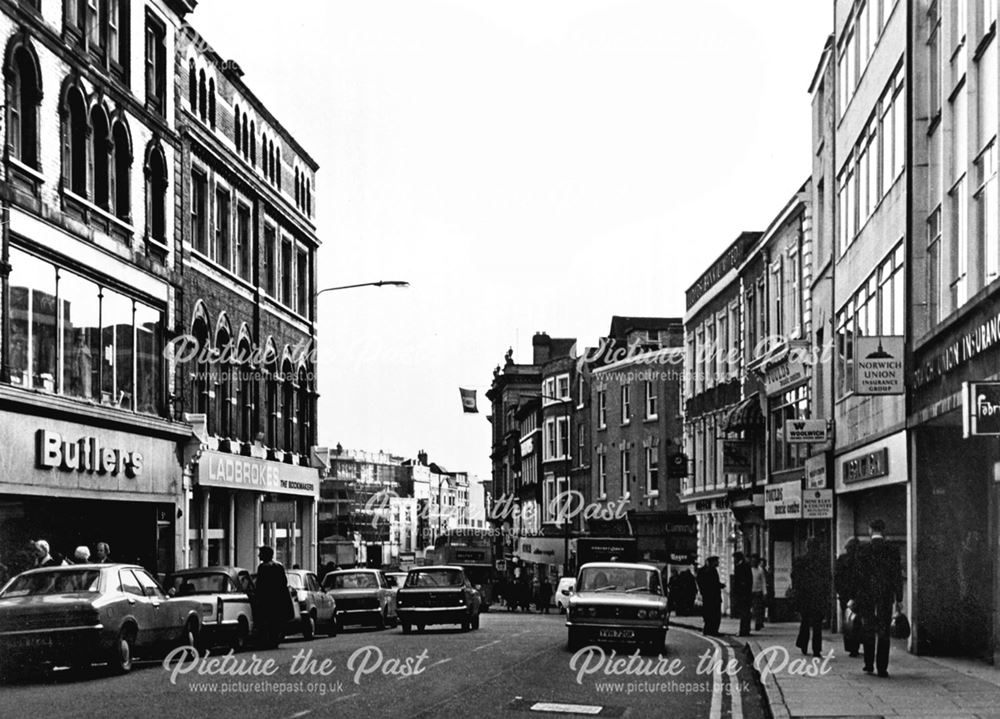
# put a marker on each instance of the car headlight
(642, 613)
(590, 611)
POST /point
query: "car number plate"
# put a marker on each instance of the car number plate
(616, 634)
(39, 640)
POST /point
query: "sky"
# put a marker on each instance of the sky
(527, 165)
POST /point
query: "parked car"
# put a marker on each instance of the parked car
(363, 596)
(563, 590)
(225, 595)
(86, 613)
(317, 610)
(618, 603)
(396, 579)
(438, 595)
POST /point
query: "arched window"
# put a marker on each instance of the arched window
(122, 175)
(200, 398)
(101, 134)
(202, 96)
(277, 169)
(211, 102)
(308, 198)
(304, 412)
(156, 194)
(271, 406)
(270, 162)
(253, 145)
(75, 139)
(243, 141)
(236, 132)
(192, 86)
(222, 380)
(244, 391)
(298, 188)
(24, 89)
(288, 406)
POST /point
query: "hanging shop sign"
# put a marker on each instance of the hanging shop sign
(736, 456)
(980, 409)
(783, 501)
(805, 431)
(815, 469)
(784, 375)
(879, 365)
(817, 504)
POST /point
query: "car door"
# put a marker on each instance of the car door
(387, 597)
(322, 601)
(166, 624)
(139, 608)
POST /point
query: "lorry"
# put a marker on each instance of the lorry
(605, 549)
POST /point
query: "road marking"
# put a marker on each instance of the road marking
(566, 708)
(439, 661)
(734, 695)
(300, 714)
(486, 645)
(349, 696)
(716, 709)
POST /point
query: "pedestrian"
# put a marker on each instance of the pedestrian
(544, 595)
(272, 602)
(672, 595)
(81, 555)
(711, 596)
(43, 557)
(811, 591)
(742, 591)
(102, 553)
(687, 589)
(759, 592)
(877, 591)
(843, 583)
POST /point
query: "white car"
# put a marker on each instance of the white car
(563, 589)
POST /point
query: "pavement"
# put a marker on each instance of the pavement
(835, 686)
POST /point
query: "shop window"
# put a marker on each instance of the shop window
(33, 322)
(79, 313)
(148, 359)
(117, 344)
(25, 92)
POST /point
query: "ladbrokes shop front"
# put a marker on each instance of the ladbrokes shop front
(238, 502)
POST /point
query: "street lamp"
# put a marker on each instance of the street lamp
(380, 283)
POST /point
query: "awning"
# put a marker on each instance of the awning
(745, 415)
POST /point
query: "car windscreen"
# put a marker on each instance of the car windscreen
(619, 579)
(295, 581)
(434, 578)
(207, 583)
(350, 580)
(65, 582)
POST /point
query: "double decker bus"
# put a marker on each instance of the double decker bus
(471, 549)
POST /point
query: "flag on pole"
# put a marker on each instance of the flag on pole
(468, 400)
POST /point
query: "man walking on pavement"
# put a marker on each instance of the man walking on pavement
(273, 605)
(742, 591)
(843, 583)
(711, 596)
(877, 592)
(759, 592)
(811, 587)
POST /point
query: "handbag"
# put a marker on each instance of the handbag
(853, 624)
(900, 628)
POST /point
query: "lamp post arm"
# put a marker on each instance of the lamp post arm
(380, 283)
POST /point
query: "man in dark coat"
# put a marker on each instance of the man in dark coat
(711, 596)
(544, 595)
(843, 583)
(877, 591)
(272, 602)
(811, 588)
(687, 591)
(742, 592)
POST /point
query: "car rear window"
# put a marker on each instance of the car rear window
(29, 585)
(351, 580)
(434, 578)
(208, 583)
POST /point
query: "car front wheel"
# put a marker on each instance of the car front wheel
(406, 628)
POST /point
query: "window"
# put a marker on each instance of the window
(304, 414)
(236, 129)
(79, 313)
(75, 163)
(245, 141)
(156, 65)
(652, 472)
(298, 189)
(959, 260)
(602, 476)
(121, 178)
(562, 431)
(156, 196)
(303, 285)
(117, 341)
(626, 403)
(625, 491)
(193, 87)
(270, 261)
(986, 215)
(22, 127)
(223, 242)
(199, 211)
(602, 408)
(562, 386)
(934, 289)
(244, 242)
(793, 404)
(288, 407)
(308, 197)
(101, 134)
(202, 96)
(253, 144)
(277, 162)
(286, 273)
(934, 60)
(651, 400)
(211, 103)
(222, 382)
(149, 345)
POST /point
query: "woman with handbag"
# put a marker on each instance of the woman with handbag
(843, 583)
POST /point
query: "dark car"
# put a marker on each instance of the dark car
(89, 613)
(317, 610)
(225, 595)
(618, 603)
(363, 596)
(438, 595)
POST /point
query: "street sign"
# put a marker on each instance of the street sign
(879, 367)
(980, 409)
(805, 431)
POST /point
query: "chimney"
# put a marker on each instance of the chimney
(422, 458)
(541, 345)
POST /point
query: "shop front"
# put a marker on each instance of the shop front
(541, 557)
(75, 480)
(238, 503)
